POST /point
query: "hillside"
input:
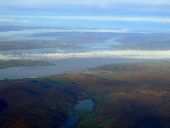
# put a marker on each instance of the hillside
(123, 99)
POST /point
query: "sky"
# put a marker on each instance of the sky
(126, 15)
(32, 3)
(19, 17)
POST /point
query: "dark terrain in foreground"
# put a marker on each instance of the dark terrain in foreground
(125, 96)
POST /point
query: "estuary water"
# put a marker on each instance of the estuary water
(82, 105)
(61, 66)
(69, 51)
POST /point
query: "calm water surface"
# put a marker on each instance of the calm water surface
(61, 66)
(82, 105)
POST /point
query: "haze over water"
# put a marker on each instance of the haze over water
(75, 31)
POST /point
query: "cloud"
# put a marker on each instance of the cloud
(110, 18)
(7, 20)
(144, 19)
(132, 54)
(80, 2)
(39, 31)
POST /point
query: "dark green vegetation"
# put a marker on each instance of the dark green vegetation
(18, 63)
(141, 66)
(128, 98)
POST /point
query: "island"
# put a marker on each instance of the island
(18, 63)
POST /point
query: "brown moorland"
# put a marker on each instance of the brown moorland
(132, 98)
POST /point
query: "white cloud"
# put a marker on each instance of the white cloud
(7, 20)
(132, 54)
(81, 2)
(39, 31)
(111, 18)
(157, 19)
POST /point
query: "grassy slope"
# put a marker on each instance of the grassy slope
(17, 63)
(124, 99)
(37, 103)
(127, 94)
(150, 66)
